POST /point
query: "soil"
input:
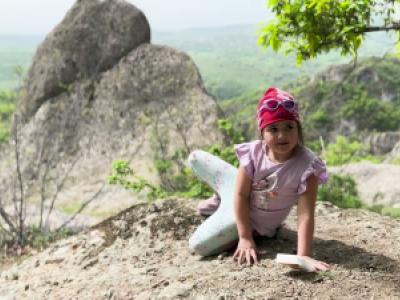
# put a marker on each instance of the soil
(142, 253)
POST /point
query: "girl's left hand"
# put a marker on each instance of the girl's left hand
(317, 265)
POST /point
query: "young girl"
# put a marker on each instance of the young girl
(275, 172)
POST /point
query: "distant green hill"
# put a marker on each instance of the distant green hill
(15, 51)
(232, 63)
(236, 70)
(229, 58)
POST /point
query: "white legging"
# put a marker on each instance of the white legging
(219, 231)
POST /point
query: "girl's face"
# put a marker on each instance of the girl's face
(281, 138)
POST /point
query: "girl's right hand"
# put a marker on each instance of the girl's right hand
(246, 252)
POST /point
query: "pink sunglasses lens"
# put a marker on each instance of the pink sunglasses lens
(272, 104)
(289, 104)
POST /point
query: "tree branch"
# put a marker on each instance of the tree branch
(59, 188)
(83, 206)
(6, 218)
(381, 28)
(20, 182)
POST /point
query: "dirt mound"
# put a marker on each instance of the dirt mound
(167, 219)
(142, 253)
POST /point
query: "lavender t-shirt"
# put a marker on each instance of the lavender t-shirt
(268, 212)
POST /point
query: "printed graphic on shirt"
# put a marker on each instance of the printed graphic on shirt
(263, 191)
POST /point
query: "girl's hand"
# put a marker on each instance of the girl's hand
(246, 252)
(316, 264)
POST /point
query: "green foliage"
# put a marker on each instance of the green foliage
(315, 146)
(39, 240)
(36, 238)
(162, 165)
(69, 207)
(396, 161)
(311, 27)
(6, 110)
(371, 114)
(4, 133)
(341, 152)
(386, 211)
(340, 191)
(391, 212)
(320, 118)
(230, 88)
(192, 187)
(123, 175)
(227, 128)
(344, 151)
(185, 183)
(234, 137)
(8, 101)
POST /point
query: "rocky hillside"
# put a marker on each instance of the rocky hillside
(97, 91)
(341, 100)
(350, 100)
(142, 253)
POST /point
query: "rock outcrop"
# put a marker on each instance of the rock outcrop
(382, 143)
(98, 91)
(328, 99)
(92, 38)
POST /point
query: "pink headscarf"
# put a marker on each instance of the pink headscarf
(266, 117)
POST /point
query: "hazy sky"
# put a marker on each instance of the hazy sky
(40, 16)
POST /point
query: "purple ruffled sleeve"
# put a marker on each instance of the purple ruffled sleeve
(318, 168)
(243, 153)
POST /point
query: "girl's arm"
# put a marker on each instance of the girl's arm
(246, 250)
(305, 223)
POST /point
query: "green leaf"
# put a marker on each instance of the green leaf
(275, 43)
(273, 3)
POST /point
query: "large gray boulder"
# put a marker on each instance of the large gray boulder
(93, 37)
(126, 99)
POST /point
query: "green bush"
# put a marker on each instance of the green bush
(6, 111)
(8, 100)
(4, 132)
(39, 240)
(185, 183)
(315, 146)
(345, 151)
(320, 118)
(123, 175)
(341, 152)
(396, 161)
(386, 211)
(35, 238)
(227, 153)
(340, 190)
(391, 212)
(371, 114)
